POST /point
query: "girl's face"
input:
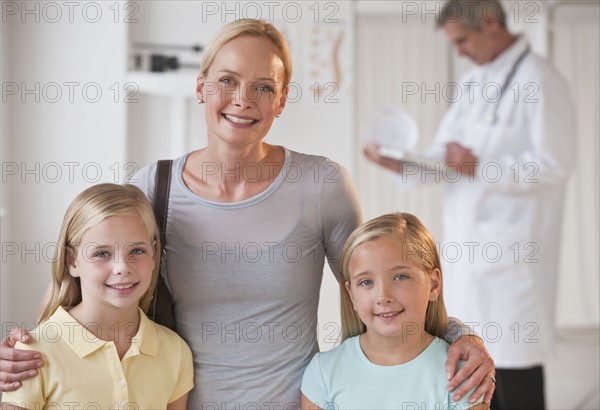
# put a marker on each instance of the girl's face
(114, 263)
(243, 91)
(389, 289)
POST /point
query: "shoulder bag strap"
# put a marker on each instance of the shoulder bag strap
(161, 197)
(161, 307)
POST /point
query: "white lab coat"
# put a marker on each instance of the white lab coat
(502, 227)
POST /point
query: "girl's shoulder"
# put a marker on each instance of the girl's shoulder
(49, 337)
(165, 338)
(343, 352)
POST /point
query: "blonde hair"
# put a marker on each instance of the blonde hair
(251, 28)
(409, 231)
(88, 209)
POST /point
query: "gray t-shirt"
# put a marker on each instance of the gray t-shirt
(246, 277)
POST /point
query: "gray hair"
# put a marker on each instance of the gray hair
(471, 13)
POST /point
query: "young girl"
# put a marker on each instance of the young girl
(393, 318)
(100, 349)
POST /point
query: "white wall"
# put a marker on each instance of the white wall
(54, 142)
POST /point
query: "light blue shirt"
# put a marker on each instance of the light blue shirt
(343, 378)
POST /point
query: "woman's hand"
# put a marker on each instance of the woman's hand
(478, 370)
(17, 365)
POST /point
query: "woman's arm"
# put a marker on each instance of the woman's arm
(8, 406)
(306, 404)
(179, 404)
(477, 371)
(479, 406)
(17, 365)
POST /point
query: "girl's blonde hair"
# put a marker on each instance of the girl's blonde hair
(88, 209)
(251, 28)
(416, 240)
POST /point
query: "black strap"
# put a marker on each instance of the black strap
(161, 307)
(161, 197)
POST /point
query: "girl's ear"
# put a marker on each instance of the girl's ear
(155, 248)
(70, 261)
(347, 285)
(436, 284)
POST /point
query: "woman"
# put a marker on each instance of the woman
(249, 227)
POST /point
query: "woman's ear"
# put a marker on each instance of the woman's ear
(200, 88)
(436, 284)
(283, 100)
(70, 261)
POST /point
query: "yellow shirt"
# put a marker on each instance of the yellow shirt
(84, 372)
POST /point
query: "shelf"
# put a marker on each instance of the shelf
(174, 84)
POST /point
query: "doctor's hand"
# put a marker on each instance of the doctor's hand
(370, 152)
(17, 365)
(477, 371)
(461, 159)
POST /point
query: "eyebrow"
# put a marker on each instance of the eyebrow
(111, 246)
(392, 268)
(237, 74)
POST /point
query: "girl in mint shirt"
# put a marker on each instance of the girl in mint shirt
(393, 319)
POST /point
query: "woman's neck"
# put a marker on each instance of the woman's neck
(392, 351)
(224, 174)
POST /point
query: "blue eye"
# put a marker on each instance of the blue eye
(265, 88)
(365, 282)
(400, 276)
(137, 251)
(101, 254)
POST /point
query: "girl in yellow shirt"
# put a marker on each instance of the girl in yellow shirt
(100, 349)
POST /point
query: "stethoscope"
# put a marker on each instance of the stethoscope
(491, 116)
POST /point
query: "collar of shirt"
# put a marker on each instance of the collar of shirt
(62, 325)
(500, 67)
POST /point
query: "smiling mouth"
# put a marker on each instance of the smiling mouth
(121, 287)
(238, 120)
(387, 315)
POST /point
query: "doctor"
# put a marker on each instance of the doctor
(505, 147)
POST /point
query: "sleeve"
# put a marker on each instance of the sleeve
(552, 136)
(145, 179)
(413, 175)
(313, 384)
(340, 212)
(456, 329)
(185, 378)
(31, 393)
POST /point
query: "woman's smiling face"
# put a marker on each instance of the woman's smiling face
(243, 91)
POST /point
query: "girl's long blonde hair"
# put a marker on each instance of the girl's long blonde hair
(409, 231)
(88, 209)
